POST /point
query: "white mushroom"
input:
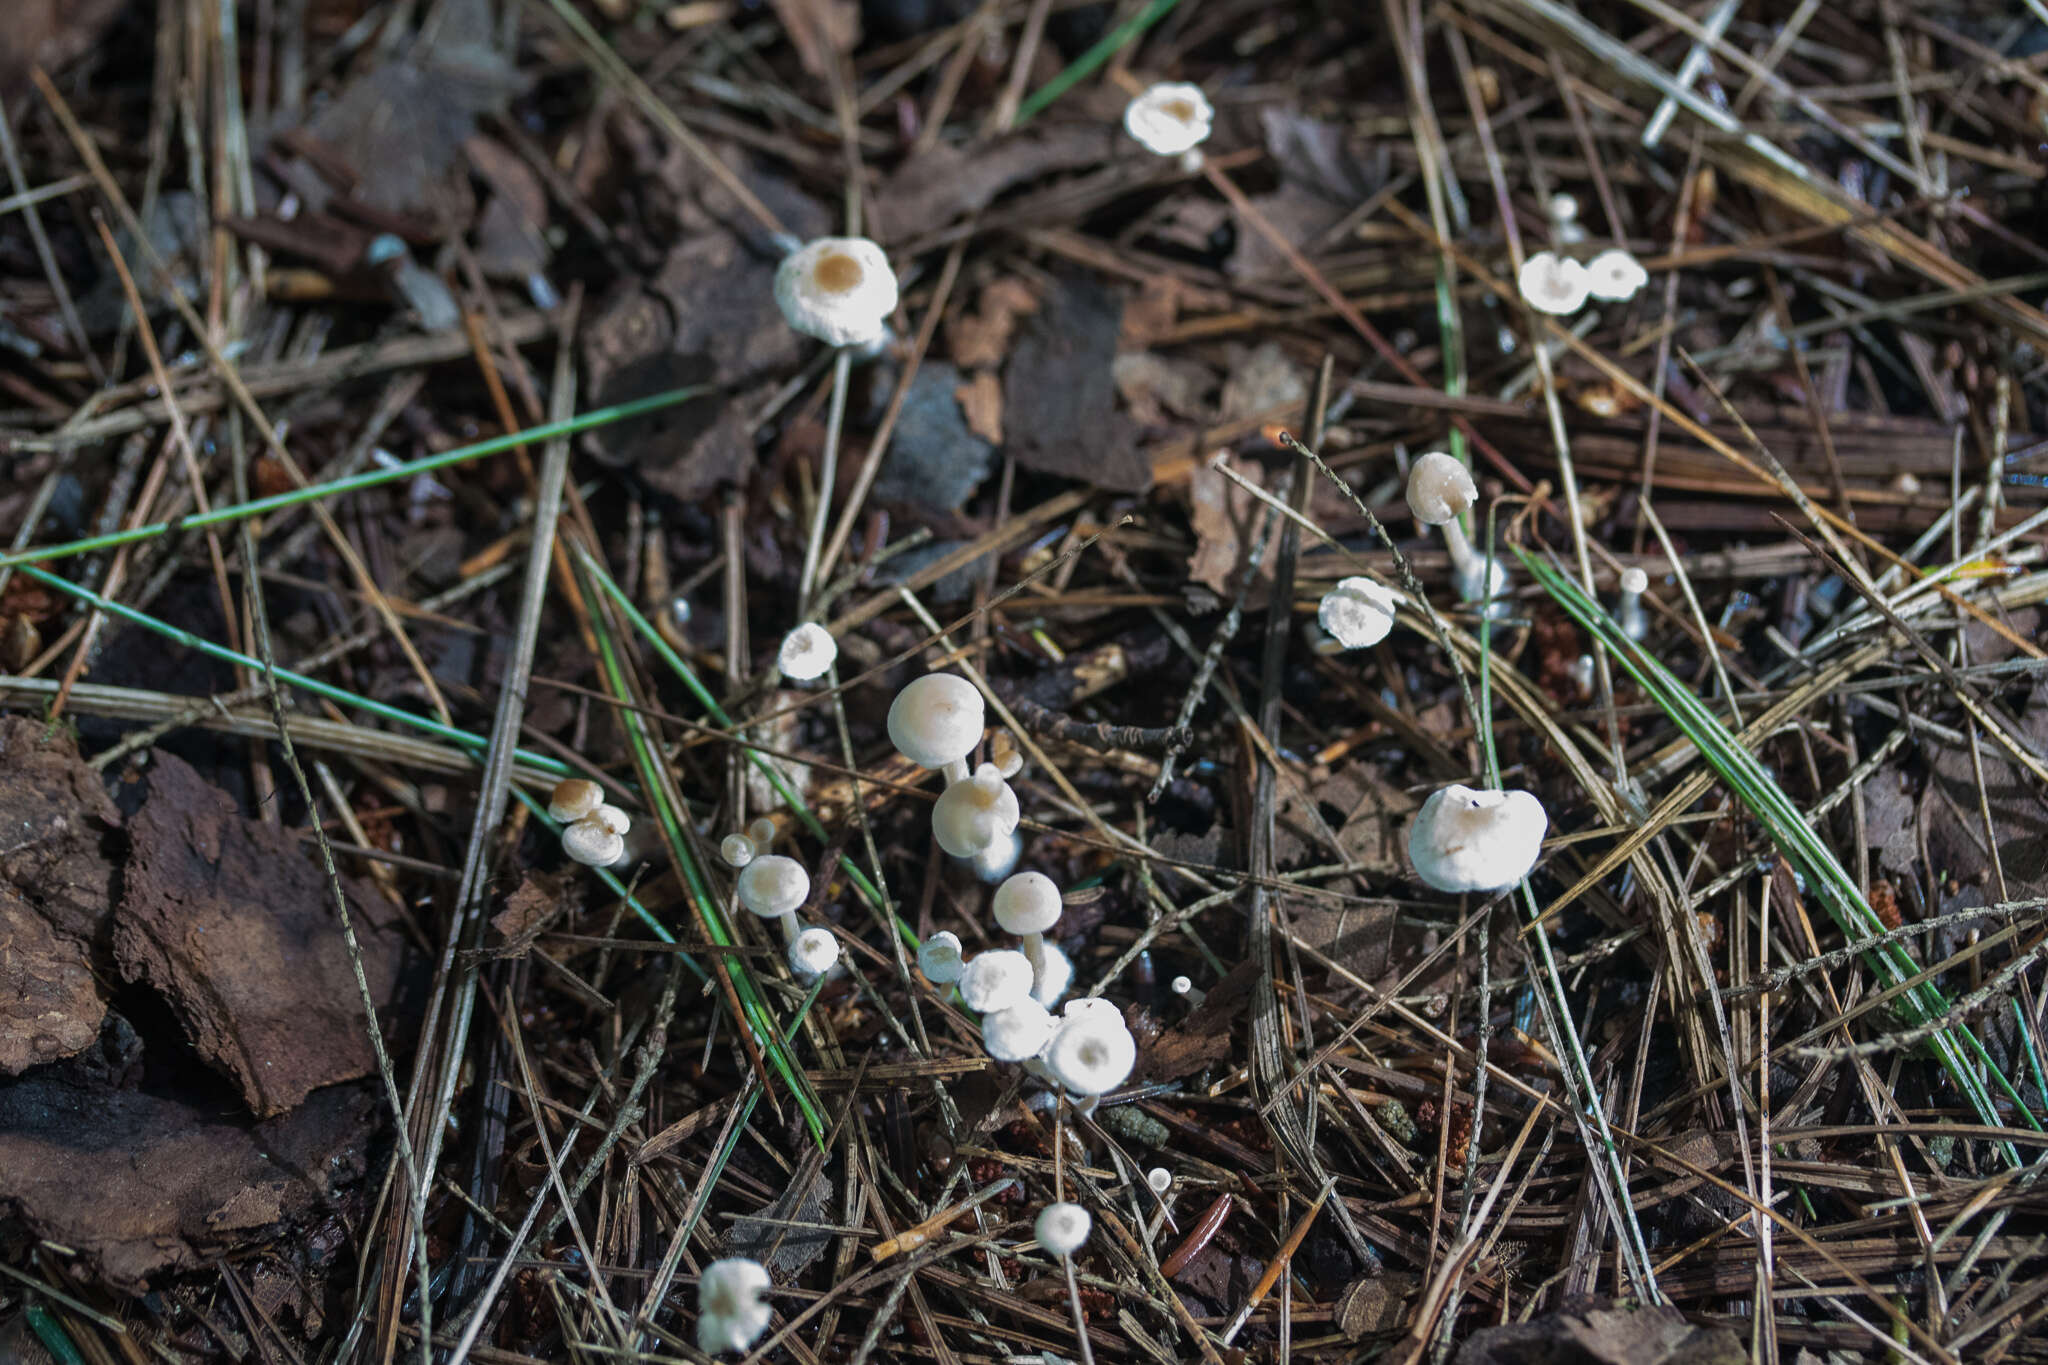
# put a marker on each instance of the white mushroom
(1027, 905)
(1092, 1052)
(1633, 620)
(611, 818)
(731, 1314)
(807, 652)
(1062, 1229)
(1466, 840)
(1159, 1179)
(938, 957)
(573, 798)
(1554, 284)
(1017, 1033)
(1170, 118)
(1563, 212)
(589, 842)
(999, 859)
(1054, 973)
(936, 721)
(813, 953)
(974, 813)
(736, 849)
(1440, 490)
(996, 980)
(1615, 275)
(837, 289)
(1358, 612)
(775, 887)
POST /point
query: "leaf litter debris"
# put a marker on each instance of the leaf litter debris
(1750, 1066)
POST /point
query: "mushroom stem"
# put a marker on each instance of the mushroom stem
(789, 925)
(1476, 579)
(956, 771)
(1633, 620)
(828, 472)
(1034, 949)
(1464, 564)
(1080, 1318)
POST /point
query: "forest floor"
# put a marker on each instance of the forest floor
(396, 419)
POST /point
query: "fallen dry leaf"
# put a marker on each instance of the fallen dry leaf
(981, 339)
(1059, 395)
(981, 403)
(1226, 522)
(932, 189)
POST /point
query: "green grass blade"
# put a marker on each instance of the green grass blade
(1084, 65)
(656, 787)
(355, 483)
(1957, 1048)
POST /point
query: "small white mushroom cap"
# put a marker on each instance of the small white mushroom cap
(1092, 1053)
(1563, 207)
(1440, 489)
(731, 1314)
(938, 957)
(1160, 1179)
(1170, 118)
(807, 652)
(1017, 1033)
(761, 833)
(736, 849)
(1555, 284)
(837, 289)
(590, 843)
(1466, 840)
(996, 980)
(1088, 1004)
(1055, 975)
(936, 720)
(973, 814)
(1635, 581)
(612, 818)
(774, 886)
(1615, 275)
(1062, 1229)
(1028, 903)
(813, 953)
(573, 798)
(1357, 613)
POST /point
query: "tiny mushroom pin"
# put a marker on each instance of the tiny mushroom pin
(996, 980)
(936, 721)
(1440, 490)
(1170, 118)
(1062, 1229)
(938, 957)
(1553, 284)
(974, 813)
(775, 887)
(573, 798)
(1615, 275)
(837, 289)
(813, 953)
(807, 652)
(1357, 613)
(1027, 905)
(1466, 840)
(731, 1314)
(1633, 620)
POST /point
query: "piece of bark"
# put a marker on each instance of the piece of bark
(233, 924)
(50, 1006)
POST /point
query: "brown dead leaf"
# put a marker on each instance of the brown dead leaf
(1059, 395)
(1601, 1335)
(531, 907)
(981, 403)
(230, 921)
(1203, 1038)
(51, 34)
(1226, 522)
(932, 189)
(981, 339)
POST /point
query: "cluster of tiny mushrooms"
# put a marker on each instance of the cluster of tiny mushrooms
(842, 291)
